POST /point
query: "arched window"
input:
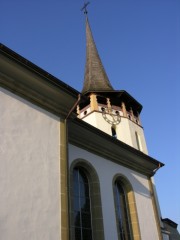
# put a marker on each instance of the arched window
(122, 211)
(86, 219)
(82, 219)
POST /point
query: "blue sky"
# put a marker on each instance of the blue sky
(139, 44)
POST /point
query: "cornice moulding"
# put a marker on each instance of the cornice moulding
(93, 140)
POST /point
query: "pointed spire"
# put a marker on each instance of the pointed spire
(95, 79)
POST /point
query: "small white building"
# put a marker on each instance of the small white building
(67, 174)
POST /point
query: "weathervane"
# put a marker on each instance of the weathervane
(85, 7)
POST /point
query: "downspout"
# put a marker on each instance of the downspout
(154, 202)
(66, 200)
(73, 107)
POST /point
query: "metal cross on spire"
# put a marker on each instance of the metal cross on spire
(85, 7)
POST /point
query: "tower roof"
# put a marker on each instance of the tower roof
(95, 78)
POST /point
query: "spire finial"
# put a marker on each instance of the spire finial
(85, 7)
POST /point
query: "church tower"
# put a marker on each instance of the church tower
(114, 112)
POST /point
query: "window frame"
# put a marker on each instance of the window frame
(122, 212)
(80, 198)
(95, 196)
(131, 204)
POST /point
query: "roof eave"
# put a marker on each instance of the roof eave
(27, 80)
(94, 140)
(118, 93)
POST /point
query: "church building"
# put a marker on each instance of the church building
(73, 166)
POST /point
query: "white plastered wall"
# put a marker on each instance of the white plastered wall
(106, 171)
(135, 128)
(29, 171)
(96, 120)
(125, 130)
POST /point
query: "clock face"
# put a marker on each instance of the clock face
(110, 117)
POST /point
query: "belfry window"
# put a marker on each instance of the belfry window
(113, 130)
(122, 211)
(81, 224)
(138, 141)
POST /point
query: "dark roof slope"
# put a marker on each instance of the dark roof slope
(95, 78)
(171, 227)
